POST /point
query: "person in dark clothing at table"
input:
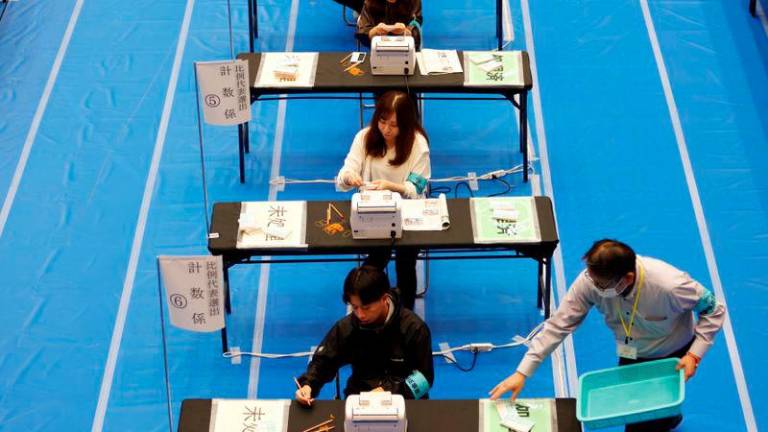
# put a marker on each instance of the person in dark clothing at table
(355, 5)
(388, 347)
(389, 17)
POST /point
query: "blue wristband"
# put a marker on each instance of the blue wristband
(415, 24)
(418, 181)
(706, 304)
(418, 384)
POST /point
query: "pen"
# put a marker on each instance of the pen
(298, 386)
(351, 66)
(336, 210)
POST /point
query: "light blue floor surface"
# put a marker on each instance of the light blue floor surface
(648, 119)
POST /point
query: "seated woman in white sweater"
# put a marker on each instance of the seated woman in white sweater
(391, 154)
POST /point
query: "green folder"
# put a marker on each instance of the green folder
(479, 68)
(488, 229)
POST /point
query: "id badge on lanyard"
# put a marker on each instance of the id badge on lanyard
(626, 350)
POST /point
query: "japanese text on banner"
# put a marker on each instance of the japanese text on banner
(194, 291)
(224, 92)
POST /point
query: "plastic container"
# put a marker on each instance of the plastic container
(630, 394)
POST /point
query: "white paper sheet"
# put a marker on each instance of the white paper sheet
(194, 291)
(224, 92)
(256, 415)
(438, 62)
(272, 224)
(425, 214)
(273, 66)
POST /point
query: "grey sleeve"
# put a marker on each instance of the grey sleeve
(568, 316)
(690, 295)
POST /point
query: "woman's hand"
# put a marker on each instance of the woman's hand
(386, 185)
(352, 179)
(379, 30)
(398, 29)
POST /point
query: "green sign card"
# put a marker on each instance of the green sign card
(504, 220)
(493, 68)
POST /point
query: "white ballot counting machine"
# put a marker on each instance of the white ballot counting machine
(376, 214)
(375, 412)
(393, 55)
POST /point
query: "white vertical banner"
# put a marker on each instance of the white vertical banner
(194, 291)
(224, 91)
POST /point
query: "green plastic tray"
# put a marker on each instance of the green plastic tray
(630, 394)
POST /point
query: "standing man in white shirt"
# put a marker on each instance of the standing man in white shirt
(654, 310)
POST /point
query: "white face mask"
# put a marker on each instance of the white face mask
(607, 293)
(612, 292)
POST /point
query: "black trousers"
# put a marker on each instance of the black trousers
(405, 266)
(662, 424)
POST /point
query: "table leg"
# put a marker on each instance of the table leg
(252, 23)
(227, 304)
(547, 286)
(540, 285)
(362, 107)
(224, 342)
(242, 144)
(499, 26)
(524, 132)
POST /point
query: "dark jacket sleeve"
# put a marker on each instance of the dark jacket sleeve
(416, 16)
(365, 22)
(419, 354)
(416, 12)
(326, 361)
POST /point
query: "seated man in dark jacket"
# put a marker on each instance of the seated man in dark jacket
(389, 347)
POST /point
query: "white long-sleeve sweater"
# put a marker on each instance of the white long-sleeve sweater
(378, 168)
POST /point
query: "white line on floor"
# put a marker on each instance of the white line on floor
(141, 223)
(559, 269)
(701, 221)
(277, 148)
(38, 117)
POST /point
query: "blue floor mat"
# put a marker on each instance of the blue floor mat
(74, 244)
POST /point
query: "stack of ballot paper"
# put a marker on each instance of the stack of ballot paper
(438, 62)
(521, 415)
(230, 415)
(510, 418)
(493, 68)
(504, 220)
(425, 214)
(287, 69)
(270, 224)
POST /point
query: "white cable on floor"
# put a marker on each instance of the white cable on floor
(472, 347)
(490, 175)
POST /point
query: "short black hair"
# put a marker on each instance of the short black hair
(610, 259)
(367, 282)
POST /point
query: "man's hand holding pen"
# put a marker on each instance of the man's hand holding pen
(303, 393)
